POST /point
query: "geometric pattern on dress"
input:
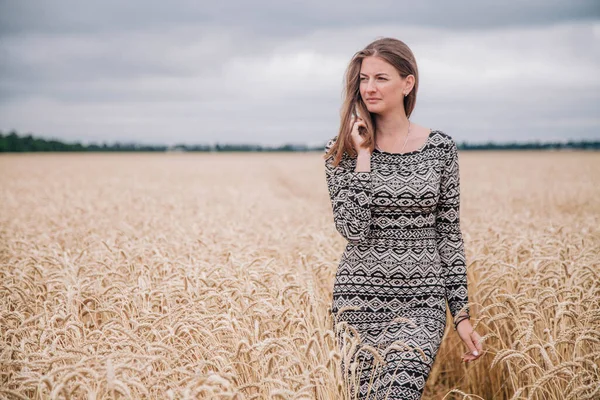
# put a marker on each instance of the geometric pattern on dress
(404, 258)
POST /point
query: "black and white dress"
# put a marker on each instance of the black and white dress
(404, 258)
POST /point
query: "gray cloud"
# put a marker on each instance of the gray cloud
(285, 18)
(158, 72)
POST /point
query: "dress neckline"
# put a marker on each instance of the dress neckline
(420, 149)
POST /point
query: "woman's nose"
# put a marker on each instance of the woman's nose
(370, 86)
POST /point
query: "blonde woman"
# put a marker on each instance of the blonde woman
(395, 196)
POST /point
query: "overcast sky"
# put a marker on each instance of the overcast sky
(270, 72)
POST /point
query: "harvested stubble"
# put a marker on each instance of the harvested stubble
(209, 276)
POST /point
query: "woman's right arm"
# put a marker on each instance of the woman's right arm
(350, 192)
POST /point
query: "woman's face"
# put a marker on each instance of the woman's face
(381, 86)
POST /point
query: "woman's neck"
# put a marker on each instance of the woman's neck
(390, 126)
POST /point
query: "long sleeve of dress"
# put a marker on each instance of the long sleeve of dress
(449, 236)
(351, 194)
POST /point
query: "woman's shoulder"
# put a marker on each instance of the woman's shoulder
(442, 137)
(443, 140)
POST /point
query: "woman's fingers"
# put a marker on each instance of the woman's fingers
(477, 341)
(471, 355)
(471, 345)
(358, 122)
(468, 357)
(475, 347)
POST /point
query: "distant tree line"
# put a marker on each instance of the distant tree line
(571, 144)
(13, 143)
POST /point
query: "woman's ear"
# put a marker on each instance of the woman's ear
(410, 80)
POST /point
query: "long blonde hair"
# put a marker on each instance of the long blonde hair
(399, 55)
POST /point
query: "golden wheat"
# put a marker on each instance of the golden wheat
(180, 276)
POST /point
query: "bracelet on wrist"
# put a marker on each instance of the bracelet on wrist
(460, 319)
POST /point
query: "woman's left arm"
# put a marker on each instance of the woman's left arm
(452, 253)
(449, 236)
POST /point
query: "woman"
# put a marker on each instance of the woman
(394, 190)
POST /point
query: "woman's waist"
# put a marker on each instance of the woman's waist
(403, 221)
(415, 248)
(400, 236)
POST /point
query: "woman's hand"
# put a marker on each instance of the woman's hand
(357, 139)
(471, 339)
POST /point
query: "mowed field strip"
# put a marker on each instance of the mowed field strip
(209, 275)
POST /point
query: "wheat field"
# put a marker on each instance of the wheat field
(184, 276)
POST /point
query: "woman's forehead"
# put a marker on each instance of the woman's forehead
(375, 66)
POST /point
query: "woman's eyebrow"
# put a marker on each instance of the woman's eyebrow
(379, 73)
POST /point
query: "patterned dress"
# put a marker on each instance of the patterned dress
(404, 258)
